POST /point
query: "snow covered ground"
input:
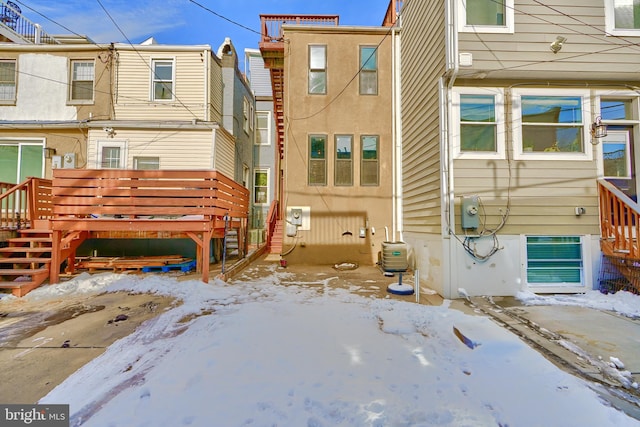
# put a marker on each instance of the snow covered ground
(257, 353)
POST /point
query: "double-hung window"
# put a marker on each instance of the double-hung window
(111, 155)
(622, 17)
(317, 160)
(368, 70)
(318, 69)
(146, 163)
(163, 80)
(261, 186)
(551, 127)
(479, 123)
(485, 16)
(82, 76)
(370, 160)
(7, 81)
(263, 125)
(344, 160)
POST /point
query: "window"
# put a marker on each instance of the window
(616, 109)
(263, 124)
(261, 186)
(551, 127)
(368, 70)
(81, 86)
(162, 78)
(369, 168)
(616, 155)
(245, 114)
(317, 160)
(344, 160)
(554, 260)
(622, 17)
(7, 82)
(146, 163)
(486, 16)
(111, 155)
(318, 69)
(478, 115)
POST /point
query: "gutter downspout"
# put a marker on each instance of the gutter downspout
(396, 128)
(451, 40)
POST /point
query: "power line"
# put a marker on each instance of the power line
(225, 18)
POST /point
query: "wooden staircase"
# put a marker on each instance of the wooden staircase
(275, 246)
(25, 262)
(620, 230)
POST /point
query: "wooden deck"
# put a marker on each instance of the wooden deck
(197, 204)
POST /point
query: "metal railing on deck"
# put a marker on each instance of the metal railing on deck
(12, 18)
(21, 204)
(271, 25)
(619, 222)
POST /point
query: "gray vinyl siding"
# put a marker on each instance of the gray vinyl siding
(259, 76)
(133, 83)
(587, 54)
(543, 195)
(420, 110)
(224, 153)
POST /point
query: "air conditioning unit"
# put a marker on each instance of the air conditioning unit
(69, 161)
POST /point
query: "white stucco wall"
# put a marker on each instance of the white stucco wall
(42, 90)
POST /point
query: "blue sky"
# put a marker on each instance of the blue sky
(185, 21)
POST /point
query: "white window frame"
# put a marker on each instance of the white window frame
(507, 28)
(122, 145)
(519, 154)
(498, 94)
(155, 160)
(268, 186)
(152, 92)
(72, 70)
(13, 100)
(586, 275)
(610, 22)
(245, 115)
(268, 128)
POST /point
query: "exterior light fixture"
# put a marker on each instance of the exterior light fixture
(110, 131)
(557, 44)
(598, 129)
(49, 152)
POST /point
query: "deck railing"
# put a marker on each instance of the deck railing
(11, 17)
(271, 25)
(22, 204)
(619, 222)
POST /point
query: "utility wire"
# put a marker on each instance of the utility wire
(225, 18)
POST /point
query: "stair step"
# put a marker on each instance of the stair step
(25, 249)
(20, 289)
(16, 260)
(34, 231)
(30, 239)
(23, 271)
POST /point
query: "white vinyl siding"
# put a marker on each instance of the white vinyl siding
(133, 88)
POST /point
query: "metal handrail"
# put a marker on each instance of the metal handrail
(271, 25)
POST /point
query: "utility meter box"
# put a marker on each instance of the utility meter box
(296, 216)
(469, 212)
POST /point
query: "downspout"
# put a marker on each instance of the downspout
(396, 126)
(207, 82)
(446, 106)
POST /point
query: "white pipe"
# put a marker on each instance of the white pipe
(447, 159)
(399, 218)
